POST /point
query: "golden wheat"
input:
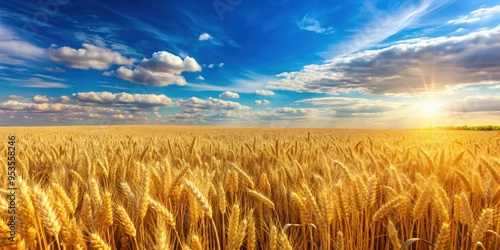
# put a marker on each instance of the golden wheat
(167, 187)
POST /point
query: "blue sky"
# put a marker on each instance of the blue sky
(354, 64)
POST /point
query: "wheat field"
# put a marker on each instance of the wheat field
(172, 187)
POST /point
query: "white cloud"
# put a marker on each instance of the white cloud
(221, 64)
(382, 24)
(63, 99)
(99, 116)
(204, 37)
(474, 104)
(196, 104)
(162, 69)
(163, 61)
(40, 83)
(295, 111)
(460, 30)
(88, 57)
(264, 92)
(19, 48)
(433, 64)
(477, 15)
(90, 39)
(14, 97)
(40, 99)
(55, 69)
(14, 50)
(145, 76)
(210, 65)
(311, 24)
(229, 94)
(85, 105)
(346, 106)
(42, 107)
(123, 99)
(201, 78)
(118, 116)
(262, 102)
(249, 84)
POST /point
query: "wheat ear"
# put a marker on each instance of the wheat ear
(260, 197)
(443, 237)
(97, 243)
(125, 221)
(200, 198)
(47, 213)
(387, 208)
(393, 235)
(482, 225)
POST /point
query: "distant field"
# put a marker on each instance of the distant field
(173, 187)
(475, 128)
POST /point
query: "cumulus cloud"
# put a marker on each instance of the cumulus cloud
(477, 15)
(63, 99)
(264, 92)
(416, 66)
(204, 37)
(88, 57)
(283, 116)
(311, 24)
(221, 64)
(40, 99)
(162, 69)
(122, 117)
(118, 116)
(42, 107)
(99, 116)
(294, 111)
(210, 65)
(123, 99)
(200, 78)
(261, 102)
(14, 97)
(196, 104)
(164, 61)
(144, 76)
(229, 94)
(85, 108)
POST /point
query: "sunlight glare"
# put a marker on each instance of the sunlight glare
(431, 108)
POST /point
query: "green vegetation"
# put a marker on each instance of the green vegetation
(465, 127)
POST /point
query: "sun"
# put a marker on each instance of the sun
(430, 107)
